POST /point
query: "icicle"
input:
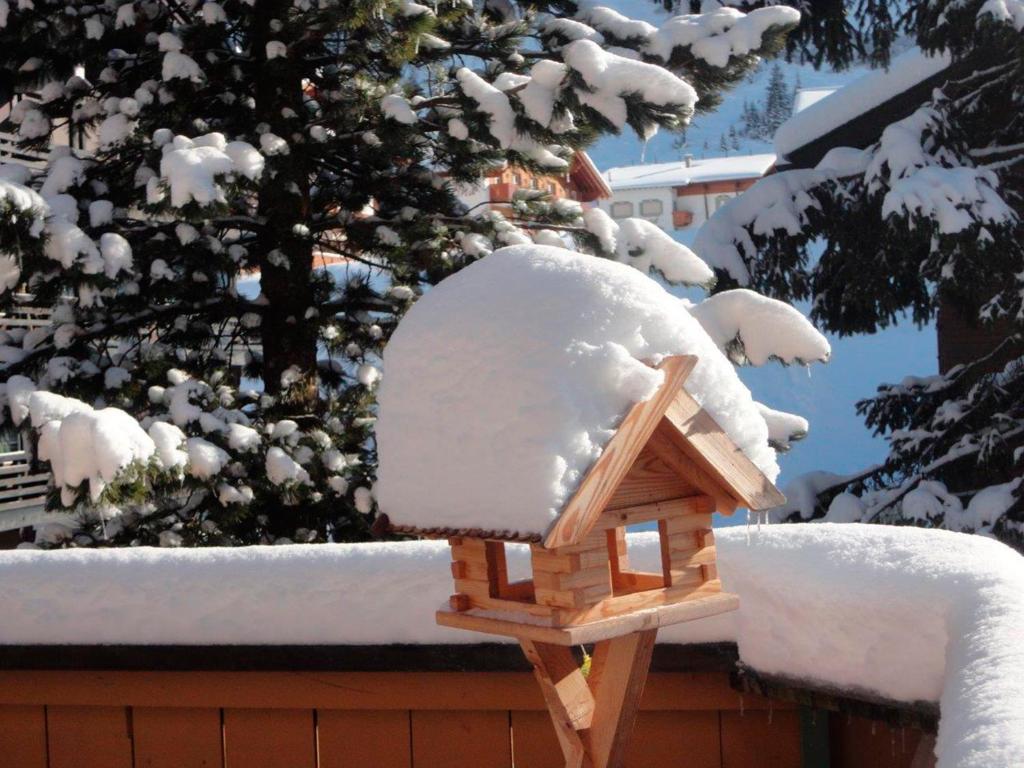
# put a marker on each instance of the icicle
(771, 713)
(874, 727)
(748, 527)
(643, 151)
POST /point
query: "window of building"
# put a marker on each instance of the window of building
(622, 210)
(517, 179)
(650, 209)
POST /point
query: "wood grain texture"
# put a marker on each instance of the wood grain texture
(618, 672)
(664, 739)
(615, 461)
(767, 739)
(89, 737)
(569, 700)
(709, 447)
(534, 744)
(658, 510)
(23, 736)
(166, 737)
(369, 739)
(472, 740)
(649, 481)
(269, 738)
(666, 443)
(696, 602)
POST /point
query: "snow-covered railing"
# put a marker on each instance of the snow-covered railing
(904, 614)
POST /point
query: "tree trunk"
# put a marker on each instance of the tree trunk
(285, 257)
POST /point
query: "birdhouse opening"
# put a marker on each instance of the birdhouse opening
(626, 581)
(498, 582)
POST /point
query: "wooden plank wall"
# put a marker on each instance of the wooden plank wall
(86, 719)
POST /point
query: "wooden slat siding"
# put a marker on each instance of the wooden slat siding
(474, 739)
(676, 740)
(269, 738)
(649, 481)
(88, 737)
(860, 743)
(23, 736)
(167, 737)
(615, 461)
(454, 691)
(708, 447)
(371, 739)
(766, 739)
(533, 741)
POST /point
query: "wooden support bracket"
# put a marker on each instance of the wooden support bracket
(593, 717)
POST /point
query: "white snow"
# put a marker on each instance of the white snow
(860, 96)
(766, 328)
(503, 383)
(177, 65)
(398, 109)
(906, 613)
(89, 445)
(275, 49)
(783, 427)
(610, 77)
(190, 167)
(903, 613)
(679, 174)
(645, 246)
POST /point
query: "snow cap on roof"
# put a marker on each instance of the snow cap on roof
(503, 384)
(865, 93)
(699, 171)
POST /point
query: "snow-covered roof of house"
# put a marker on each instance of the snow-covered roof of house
(903, 613)
(850, 101)
(504, 383)
(807, 96)
(699, 171)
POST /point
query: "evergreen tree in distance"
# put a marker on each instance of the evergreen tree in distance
(213, 140)
(930, 216)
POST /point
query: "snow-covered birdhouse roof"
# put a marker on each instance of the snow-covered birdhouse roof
(507, 384)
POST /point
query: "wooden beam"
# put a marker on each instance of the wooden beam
(659, 510)
(618, 671)
(707, 600)
(704, 443)
(615, 461)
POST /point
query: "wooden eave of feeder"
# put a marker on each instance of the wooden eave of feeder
(668, 462)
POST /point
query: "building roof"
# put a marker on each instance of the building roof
(807, 96)
(699, 171)
(909, 71)
(588, 179)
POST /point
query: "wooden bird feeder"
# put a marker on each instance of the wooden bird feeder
(667, 463)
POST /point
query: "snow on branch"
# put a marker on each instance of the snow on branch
(754, 329)
(776, 203)
(190, 168)
(644, 245)
(713, 37)
(783, 428)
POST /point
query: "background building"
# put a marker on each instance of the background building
(683, 194)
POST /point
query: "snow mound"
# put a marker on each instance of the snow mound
(907, 613)
(503, 384)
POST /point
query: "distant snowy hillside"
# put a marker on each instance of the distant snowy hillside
(709, 128)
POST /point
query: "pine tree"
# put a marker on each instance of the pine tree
(778, 102)
(929, 217)
(211, 140)
(723, 144)
(734, 140)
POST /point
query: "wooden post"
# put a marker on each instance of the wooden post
(593, 717)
